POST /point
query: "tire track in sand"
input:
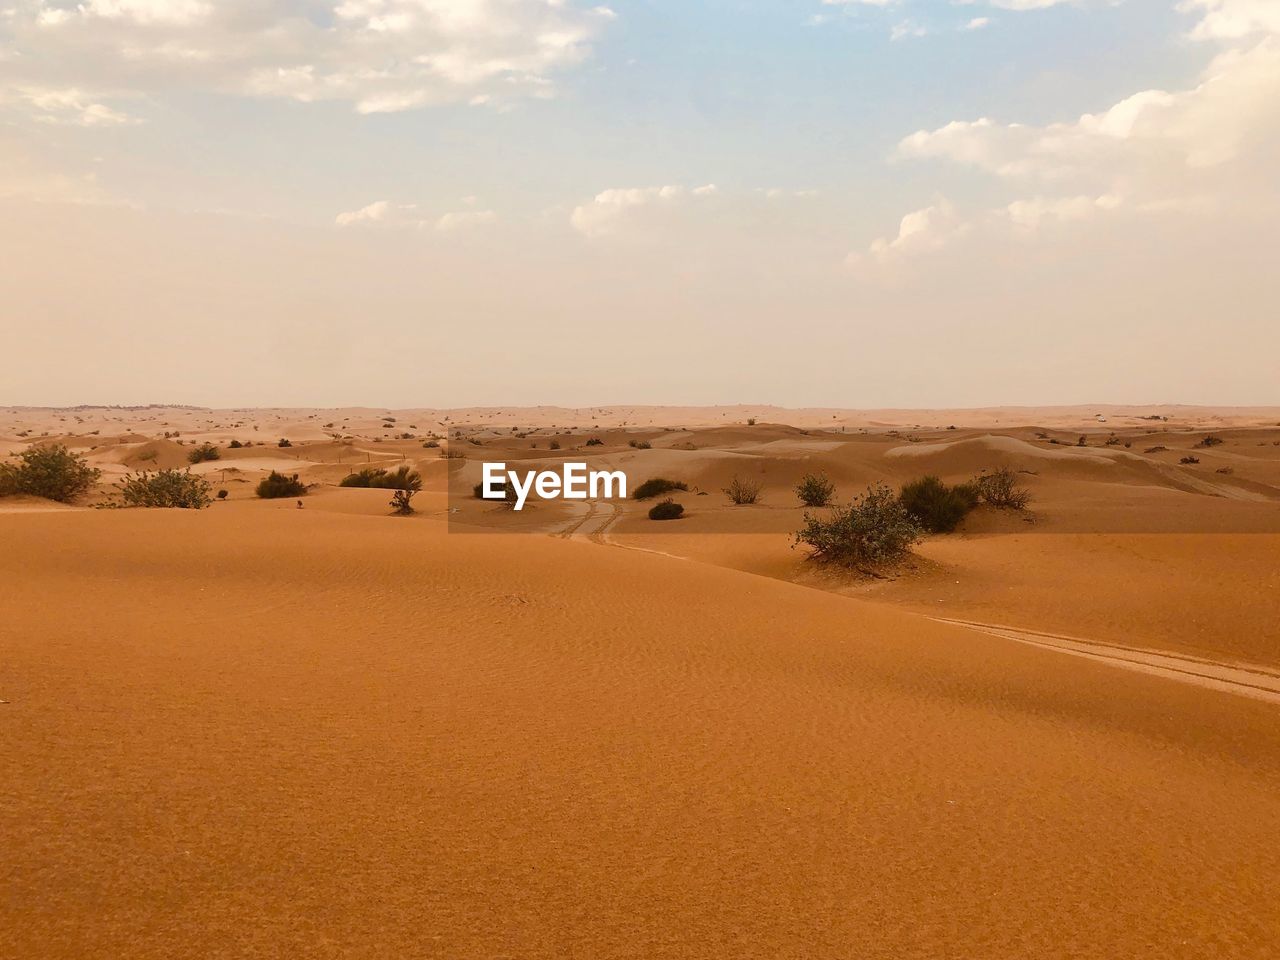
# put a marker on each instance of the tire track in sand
(1248, 680)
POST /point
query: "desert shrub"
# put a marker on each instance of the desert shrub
(364, 477)
(284, 443)
(742, 491)
(235, 444)
(1210, 441)
(277, 485)
(657, 486)
(406, 483)
(641, 444)
(935, 506)
(554, 445)
(1081, 442)
(815, 490)
(222, 494)
(431, 444)
(1000, 489)
(206, 451)
(595, 442)
(751, 421)
(666, 510)
(177, 489)
(1227, 471)
(453, 453)
(873, 530)
(54, 473)
(1155, 449)
(1189, 460)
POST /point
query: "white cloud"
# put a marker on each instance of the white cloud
(1234, 19)
(921, 231)
(609, 210)
(905, 29)
(1030, 214)
(462, 219)
(977, 23)
(67, 106)
(379, 55)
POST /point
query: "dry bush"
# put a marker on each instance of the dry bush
(742, 491)
(815, 490)
(54, 473)
(873, 530)
(1000, 489)
(176, 489)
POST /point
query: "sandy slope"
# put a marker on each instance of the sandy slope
(269, 732)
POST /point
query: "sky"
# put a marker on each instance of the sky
(855, 203)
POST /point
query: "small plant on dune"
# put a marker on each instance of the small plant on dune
(364, 477)
(666, 510)
(742, 490)
(1210, 441)
(815, 490)
(277, 485)
(235, 445)
(431, 444)
(1187, 461)
(640, 444)
(595, 442)
(1226, 471)
(875, 529)
(284, 443)
(407, 484)
(656, 487)
(554, 445)
(54, 473)
(204, 452)
(936, 507)
(1156, 449)
(1000, 489)
(222, 494)
(175, 489)
(453, 453)
(1081, 442)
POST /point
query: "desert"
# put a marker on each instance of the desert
(256, 729)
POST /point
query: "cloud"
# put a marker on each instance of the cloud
(921, 231)
(977, 23)
(378, 55)
(905, 29)
(67, 106)
(462, 219)
(1030, 214)
(608, 211)
(376, 212)
(1233, 19)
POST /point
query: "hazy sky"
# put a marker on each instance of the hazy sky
(806, 202)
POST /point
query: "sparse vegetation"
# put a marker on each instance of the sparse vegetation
(204, 452)
(284, 443)
(937, 507)
(1187, 461)
(1210, 441)
(1226, 471)
(407, 484)
(743, 491)
(364, 477)
(595, 442)
(554, 445)
(54, 473)
(640, 444)
(666, 510)
(656, 487)
(174, 489)
(431, 444)
(751, 421)
(235, 445)
(1000, 489)
(1155, 449)
(815, 490)
(277, 485)
(222, 494)
(875, 529)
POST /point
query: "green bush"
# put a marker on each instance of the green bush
(54, 473)
(742, 491)
(935, 506)
(656, 487)
(177, 489)
(1000, 489)
(666, 510)
(364, 477)
(406, 483)
(278, 485)
(815, 490)
(206, 451)
(873, 530)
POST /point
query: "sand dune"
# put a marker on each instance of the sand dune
(258, 730)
